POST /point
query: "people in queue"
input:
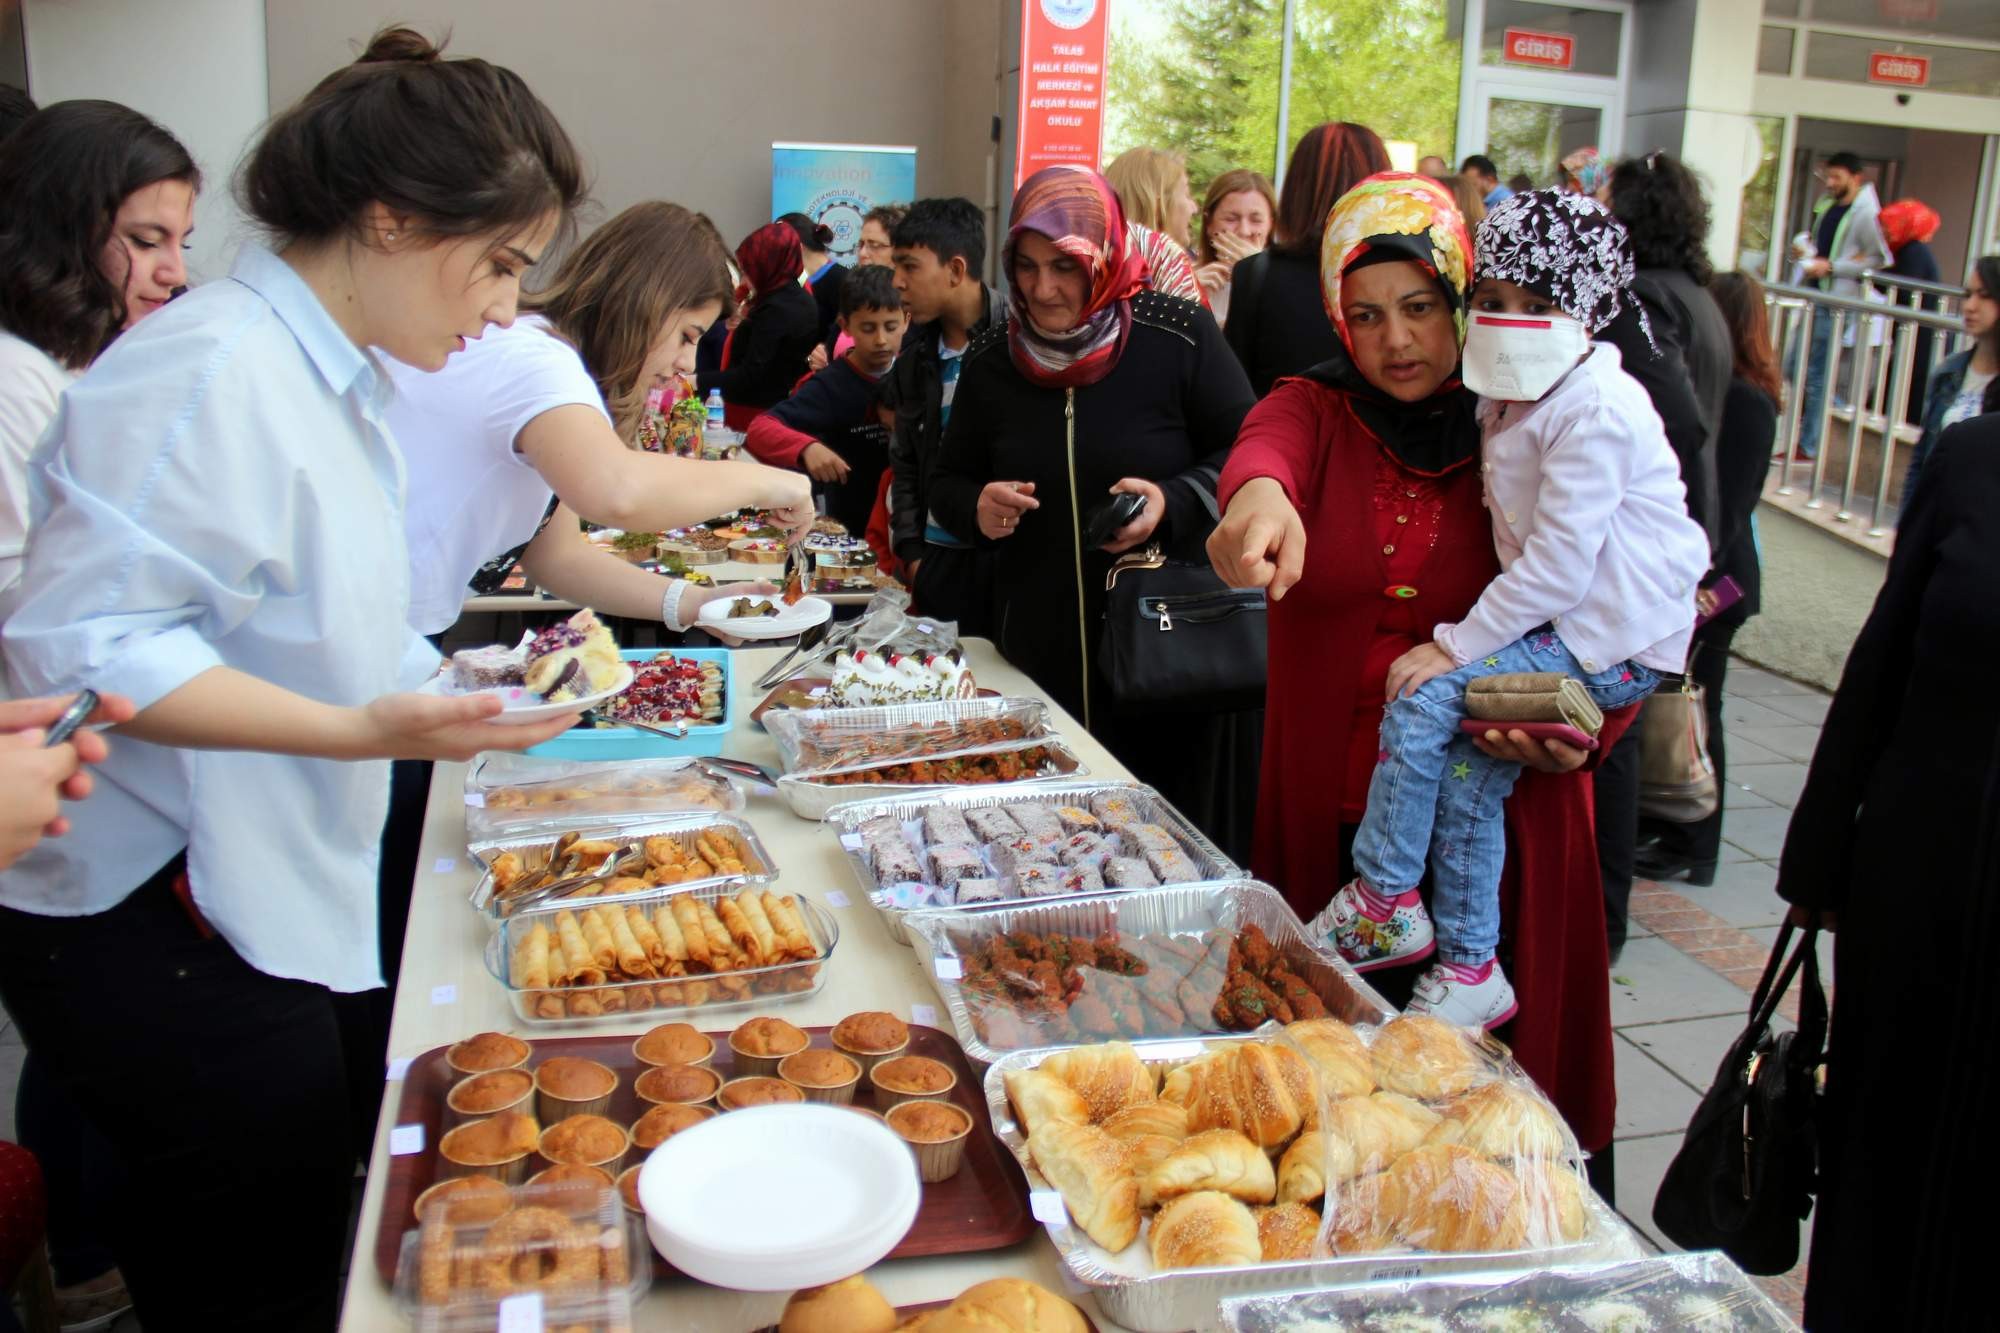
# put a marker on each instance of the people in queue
(1236, 219)
(1901, 791)
(1847, 242)
(831, 428)
(219, 540)
(1487, 177)
(940, 249)
(778, 327)
(1353, 495)
(1669, 850)
(95, 244)
(1957, 389)
(1094, 385)
(1278, 326)
(1152, 187)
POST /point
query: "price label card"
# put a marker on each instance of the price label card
(851, 841)
(520, 1313)
(923, 1015)
(1047, 1206)
(949, 969)
(398, 1069)
(405, 1140)
(444, 995)
(476, 799)
(445, 865)
(835, 898)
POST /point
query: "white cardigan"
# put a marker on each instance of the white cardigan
(1590, 521)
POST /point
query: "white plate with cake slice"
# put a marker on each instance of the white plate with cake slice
(764, 616)
(520, 705)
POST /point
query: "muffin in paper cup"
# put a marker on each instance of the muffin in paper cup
(567, 1086)
(470, 1203)
(910, 1078)
(812, 1072)
(870, 1037)
(501, 1146)
(628, 1190)
(937, 1132)
(486, 1053)
(559, 1144)
(759, 1034)
(678, 1085)
(756, 1090)
(673, 1044)
(488, 1094)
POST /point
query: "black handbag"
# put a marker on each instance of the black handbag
(1746, 1172)
(1177, 639)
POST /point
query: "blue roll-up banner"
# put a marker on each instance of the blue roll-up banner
(837, 183)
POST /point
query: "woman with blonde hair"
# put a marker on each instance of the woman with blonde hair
(1152, 187)
(1236, 220)
(1471, 200)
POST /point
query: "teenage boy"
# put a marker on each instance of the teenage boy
(939, 249)
(829, 428)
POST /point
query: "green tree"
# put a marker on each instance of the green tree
(1210, 89)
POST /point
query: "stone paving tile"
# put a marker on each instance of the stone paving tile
(1655, 982)
(1750, 681)
(1759, 832)
(1767, 936)
(1651, 1098)
(1806, 708)
(1779, 783)
(1689, 1049)
(1739, 711)
(1745, 894)
(1697, 938)
(1743, 751)
(1641, 1164)
(1733, 960)
(1792, 740)
(1736, 796)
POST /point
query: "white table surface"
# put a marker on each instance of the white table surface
(869, 971)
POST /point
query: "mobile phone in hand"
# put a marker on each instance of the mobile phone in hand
(72, 717)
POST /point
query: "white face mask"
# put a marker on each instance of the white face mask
(1518, 358)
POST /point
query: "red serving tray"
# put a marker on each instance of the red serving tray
(905, 1313)
(983, 1207)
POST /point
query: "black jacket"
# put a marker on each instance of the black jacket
(914, 391)
(1742, 461)
(826, 296)
(767, 354)
(1167, 412)
(1662, 370)
(1278, 324)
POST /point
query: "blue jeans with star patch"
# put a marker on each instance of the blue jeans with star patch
(1437, 797)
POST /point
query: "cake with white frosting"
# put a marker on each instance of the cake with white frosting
(863, 677)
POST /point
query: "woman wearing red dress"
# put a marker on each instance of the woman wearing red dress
(1353, 495)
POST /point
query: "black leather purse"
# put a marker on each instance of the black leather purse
(1746, 1173)
(1176, 639)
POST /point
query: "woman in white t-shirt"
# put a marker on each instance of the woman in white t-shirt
(550, 408)
(61, 304)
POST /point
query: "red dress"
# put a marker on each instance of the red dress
(1390, 553)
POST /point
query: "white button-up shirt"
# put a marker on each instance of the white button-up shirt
(219, 490)
(1591, 525)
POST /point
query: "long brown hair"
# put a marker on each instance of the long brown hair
(1742, 300)
(1470, 198)
(1144, 180)
(1240, 181)
(1330, 160)
(614, 293)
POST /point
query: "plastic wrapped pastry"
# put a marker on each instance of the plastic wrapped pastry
(1424, 1057)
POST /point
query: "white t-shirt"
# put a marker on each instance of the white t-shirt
(30, 383)
(471, 494)
(1971, 394)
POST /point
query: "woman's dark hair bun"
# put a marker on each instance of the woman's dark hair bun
(393, 44)
(824, 235)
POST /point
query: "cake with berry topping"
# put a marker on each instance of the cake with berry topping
(668, 689)
(572, 658)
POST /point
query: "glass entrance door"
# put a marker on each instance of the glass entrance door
(1529, 138)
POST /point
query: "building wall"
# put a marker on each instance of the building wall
(681, 99)
(196, 66)
(1942, 169)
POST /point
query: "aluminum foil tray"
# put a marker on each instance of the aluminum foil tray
(534, 841)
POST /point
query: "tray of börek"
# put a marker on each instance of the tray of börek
(617, 862)
(1170, 1174)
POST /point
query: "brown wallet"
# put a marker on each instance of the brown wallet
(1534, 696)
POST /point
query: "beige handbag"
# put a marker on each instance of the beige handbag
(1676, 777)
(1533, 696)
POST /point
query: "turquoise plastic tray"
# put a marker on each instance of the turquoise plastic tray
(630, 742)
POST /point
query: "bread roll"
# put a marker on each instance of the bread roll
(1286, 1231)
(1336, 1054)
(1094, 1175)
(1262, 1091)
(1451, 1200)
(847, 1306)
(1553, 1198)
(1165, 1119)
(1040, 1099)
(1007, 1305)
(1358, 1225)
(1501, 1121)
(1205, 1230)
(1362, 1134)
(1424, 1057)
(1218, 1159)
(1109, 1077)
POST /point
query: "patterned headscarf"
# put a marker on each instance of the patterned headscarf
(1908, 220)
(1589, 170)
(1398, 215)
(1564, 246)
(1168, 268)
(1079, 213)
(769, 257)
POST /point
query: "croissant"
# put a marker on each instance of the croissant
(1358, 1224)
(1109, 1077)
(1286, 1231)
(1450, 1199)
(1500, 1121)
(1041, 1099)
(1094, 1174)
(1149, 1119)
(1262, 1091)
(1424, 1057)
(1336, 1055)
(1220, 1159)
(1553, 1198)
(1361, 1134)
(1205, 1230)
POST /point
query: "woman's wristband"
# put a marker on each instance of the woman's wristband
(670, 604)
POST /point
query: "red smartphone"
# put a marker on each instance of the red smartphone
(1540, 731)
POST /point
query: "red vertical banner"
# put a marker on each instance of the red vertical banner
(1063, 44)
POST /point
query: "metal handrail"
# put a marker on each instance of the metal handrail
(1885, 279)
(1926, 318)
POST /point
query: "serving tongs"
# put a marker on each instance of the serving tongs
(567, 884)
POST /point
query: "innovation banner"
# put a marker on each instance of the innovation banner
(838, 183)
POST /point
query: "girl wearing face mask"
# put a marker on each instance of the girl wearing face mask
(94, 245)
(1599, 565)
(220, 539)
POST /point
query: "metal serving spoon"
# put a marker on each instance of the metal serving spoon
(519, 902)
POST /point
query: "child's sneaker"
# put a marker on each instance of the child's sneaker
(1371, 931)
(1465, 995)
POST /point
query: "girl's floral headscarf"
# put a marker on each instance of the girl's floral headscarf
(1587, 167)
(1079, 213)
(1396, 215)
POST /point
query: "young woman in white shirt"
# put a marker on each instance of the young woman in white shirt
(96, 246)
(219, 537)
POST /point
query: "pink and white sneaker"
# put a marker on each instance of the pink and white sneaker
(1465, 995)
(1371, 931)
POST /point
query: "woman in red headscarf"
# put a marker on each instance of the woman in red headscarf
(766, 353)
(1907, 228)
(1353, 496)
(1094, 383)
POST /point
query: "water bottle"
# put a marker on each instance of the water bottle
(716, 437)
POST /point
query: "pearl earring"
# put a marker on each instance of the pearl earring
(390, 236)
